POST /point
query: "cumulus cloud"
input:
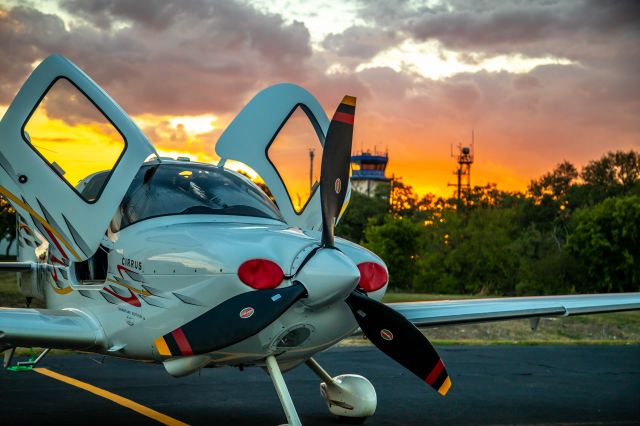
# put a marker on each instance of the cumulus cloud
(361, 42)
(211, 56)
(186, 57)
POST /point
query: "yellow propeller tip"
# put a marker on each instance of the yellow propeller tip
(444, 388)
(349, 100)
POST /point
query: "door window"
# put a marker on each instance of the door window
(295, 152)
(73, 136)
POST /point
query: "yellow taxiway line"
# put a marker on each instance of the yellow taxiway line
(145, 411)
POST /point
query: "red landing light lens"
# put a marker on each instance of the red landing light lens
(261, 274)
(372, 276)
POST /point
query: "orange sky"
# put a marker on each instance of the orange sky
(539, 82)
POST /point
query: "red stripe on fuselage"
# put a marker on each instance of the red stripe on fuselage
(343, 117)
(132, 300)
(57, 244)
(182, 341)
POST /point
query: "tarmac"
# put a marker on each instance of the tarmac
(491, 385)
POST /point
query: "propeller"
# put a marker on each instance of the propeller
(246, 314)
(394, 335)
(391, 332)
(334, 170)
(235, 319)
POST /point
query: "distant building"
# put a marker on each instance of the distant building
(368, 171)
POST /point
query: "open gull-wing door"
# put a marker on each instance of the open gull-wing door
(249, 138)
(60, 128)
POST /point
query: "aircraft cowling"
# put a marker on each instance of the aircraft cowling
(329, 275)
(197, 246)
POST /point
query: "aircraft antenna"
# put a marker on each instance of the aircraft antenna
(312, 154)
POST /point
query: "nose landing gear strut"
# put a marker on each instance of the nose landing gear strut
(348, 396)
(283, 393)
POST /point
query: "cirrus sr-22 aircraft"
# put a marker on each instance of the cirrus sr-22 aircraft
(192, 265)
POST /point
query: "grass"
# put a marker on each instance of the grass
(616, 328)
(9, 294)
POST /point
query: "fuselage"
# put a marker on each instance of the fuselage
(159, 272)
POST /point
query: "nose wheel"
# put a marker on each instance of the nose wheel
(348, 396)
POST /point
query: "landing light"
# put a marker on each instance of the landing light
(261, 274)
(372, 276)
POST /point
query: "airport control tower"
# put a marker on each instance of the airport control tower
(368, 171)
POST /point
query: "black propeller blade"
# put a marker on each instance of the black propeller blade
(394, 335)
(233, 320)
(387, 329)
(334, 170)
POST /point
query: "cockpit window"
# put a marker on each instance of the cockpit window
(172, 189)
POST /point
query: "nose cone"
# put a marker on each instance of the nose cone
(328, 276)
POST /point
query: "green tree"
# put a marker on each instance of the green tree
(606, 241)
(7, 223)
(545, 267)
(361, 211)
(433, 273)
(396, 242)
(403, 200)
(554, 184)
(482, 257)
(615, 173)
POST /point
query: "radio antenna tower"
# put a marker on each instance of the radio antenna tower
(312, 154)
(464, 158)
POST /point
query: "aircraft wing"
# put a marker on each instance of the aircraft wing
(452, 312)
(47, 328)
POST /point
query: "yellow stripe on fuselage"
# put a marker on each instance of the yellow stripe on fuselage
(65, 290)
(162, 347)
(39, 218)
(133, 289)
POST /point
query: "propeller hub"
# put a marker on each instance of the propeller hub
(328, 276)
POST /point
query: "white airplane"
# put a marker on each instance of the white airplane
(192, 265)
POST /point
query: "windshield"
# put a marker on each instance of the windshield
(171, 189)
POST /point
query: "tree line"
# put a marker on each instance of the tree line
(575, 231)
(570, 231)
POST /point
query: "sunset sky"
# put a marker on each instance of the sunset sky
(539, 82)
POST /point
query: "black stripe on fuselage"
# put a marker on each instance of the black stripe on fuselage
(172, 344)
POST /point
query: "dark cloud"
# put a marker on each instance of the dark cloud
(526, 82)
(155, 14)
(536, 27)
(25, 34)
(211, 56)
(359, 42)
(205, 57)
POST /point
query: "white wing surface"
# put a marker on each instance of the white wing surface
(48, 328)
(452, 312)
